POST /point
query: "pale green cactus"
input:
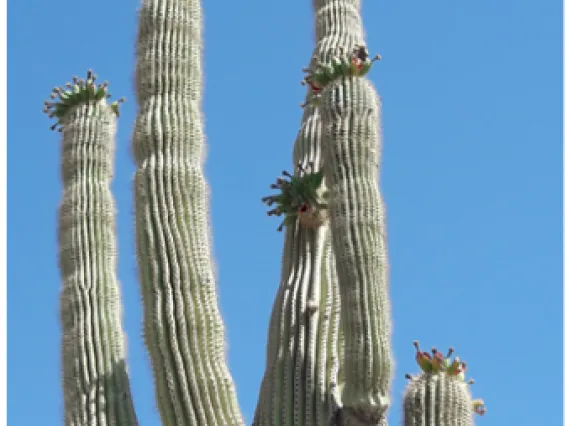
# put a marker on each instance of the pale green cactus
(440, 395)
(304, 340)
(183, 329)
(347, 399)
(96, 387)
(329, 356)
(349, 108)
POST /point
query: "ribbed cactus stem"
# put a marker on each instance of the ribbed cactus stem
(437, 400)
(183, 328)
(302, 361)
(96, 386)
(351, 134)
(440, 395)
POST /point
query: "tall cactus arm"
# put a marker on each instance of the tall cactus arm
(440, 395)
(183, 328)
(302, 363)
(351, 135)
(96, 387)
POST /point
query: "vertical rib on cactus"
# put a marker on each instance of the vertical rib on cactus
(96, 387)
(303, 339)
(350, 120)
(183, 328)
(439, 396)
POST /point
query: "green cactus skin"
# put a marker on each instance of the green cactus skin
(439, 396)
(183, 329)
(304, 340)
(96, 387)
(349, 108)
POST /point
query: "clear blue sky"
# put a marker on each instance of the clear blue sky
(472, 167)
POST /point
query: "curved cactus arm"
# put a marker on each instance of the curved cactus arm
(183, 328)
(349, 108)
(96, 387)
(440, 395)
(304, 341)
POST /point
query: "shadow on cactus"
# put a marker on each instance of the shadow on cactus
(437, 363)
(80, 92)
(300, 198)
(357, 64)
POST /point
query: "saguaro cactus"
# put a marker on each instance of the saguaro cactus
(328, 359)
(95, 381)
(439, 396)
(330, 64)
(304, 342)
(351, 135)
(183, 328)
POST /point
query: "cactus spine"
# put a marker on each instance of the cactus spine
(96, 387)
(183, 328)
(439, 396)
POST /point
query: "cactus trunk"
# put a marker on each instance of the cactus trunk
(356, 380)
(96, 386)
(351, 134)
(303, 340)
(183, 329)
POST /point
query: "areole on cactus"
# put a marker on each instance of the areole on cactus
(357, 64)
(81, 91)
(437, 363)
(300, 198)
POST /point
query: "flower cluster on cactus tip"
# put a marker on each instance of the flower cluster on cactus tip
(299, 198)
(436, 363)
(357, 64)
(81, 91)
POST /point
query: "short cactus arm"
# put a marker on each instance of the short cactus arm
(96, 387)
(183, 328)
(350, 121)
(302, 362)
(439, 395)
